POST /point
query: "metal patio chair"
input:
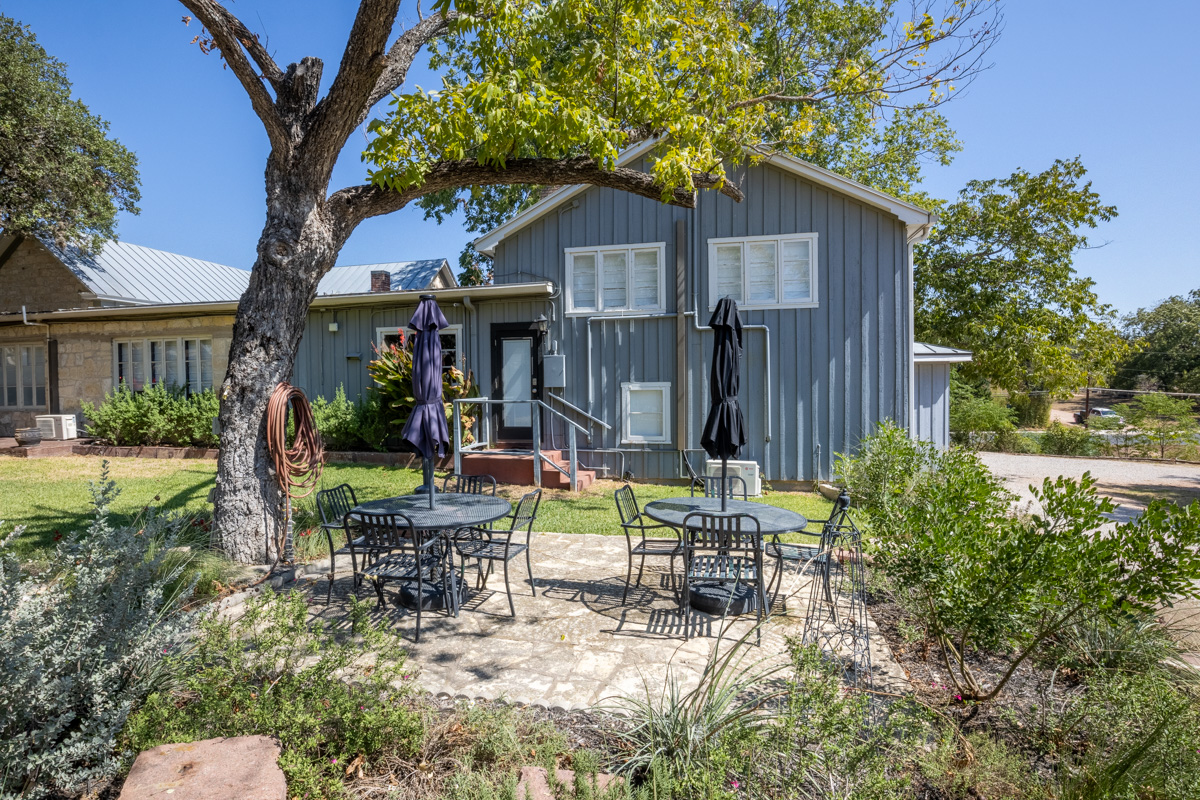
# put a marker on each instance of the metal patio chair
(469, 484)
(712, 486)
(723, 549)
(633, 521)
(333, 505)
(402, 554)
(816, 550)
(491, 545)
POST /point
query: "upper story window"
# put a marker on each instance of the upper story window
(180, 363)
(23, 376)
(451, 339)
(615, 279)
(764, 271)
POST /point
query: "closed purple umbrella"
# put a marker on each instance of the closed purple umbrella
(725, 430)
(426, 431)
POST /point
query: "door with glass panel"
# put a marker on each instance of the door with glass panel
(516, 375)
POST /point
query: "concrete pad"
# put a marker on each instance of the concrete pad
(575, 645)
(213, 769)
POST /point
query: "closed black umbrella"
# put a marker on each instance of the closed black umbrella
(426, 431)
(725, 430)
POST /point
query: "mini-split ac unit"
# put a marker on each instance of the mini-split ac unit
(746, 470)
(56, 426)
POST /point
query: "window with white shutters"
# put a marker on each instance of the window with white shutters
(23, 376)
(764, 271)
(616, 279)
(646, 413)
(174, 363)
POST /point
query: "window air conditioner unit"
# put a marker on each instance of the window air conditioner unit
(746, 470)
(56, 426)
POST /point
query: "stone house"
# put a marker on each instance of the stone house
(73, 325)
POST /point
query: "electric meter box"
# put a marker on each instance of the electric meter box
(554, 371)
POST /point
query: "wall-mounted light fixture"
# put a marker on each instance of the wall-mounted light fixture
(333, 327)
(543, 324)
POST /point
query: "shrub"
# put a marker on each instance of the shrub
(154, 416)
(392, 372)
(890, 467)
(81, 650)
(976, 419)
(977, 577)
(331, 702)
(1062, 440)
(1033, 410)
(344, 425)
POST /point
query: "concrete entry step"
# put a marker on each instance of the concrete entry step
(517, 468)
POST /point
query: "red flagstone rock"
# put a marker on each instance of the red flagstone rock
(533, 784)
(214, 769)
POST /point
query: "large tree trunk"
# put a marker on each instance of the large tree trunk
(297, 247)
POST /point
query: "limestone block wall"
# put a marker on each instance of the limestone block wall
(34, 278)
(85, 355)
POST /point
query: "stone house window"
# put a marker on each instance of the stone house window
(23, 376)
(175, 363)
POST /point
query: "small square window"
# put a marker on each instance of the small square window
(646, 413)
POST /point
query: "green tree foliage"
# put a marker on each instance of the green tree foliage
(807, 78)
(977, 420)
(1161, 422)
(61, 176)
(996, 277)
(1166, 341)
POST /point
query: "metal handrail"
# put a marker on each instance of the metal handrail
(535, 407)
(581, 412)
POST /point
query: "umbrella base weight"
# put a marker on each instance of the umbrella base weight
(432, 597)
(721, 598)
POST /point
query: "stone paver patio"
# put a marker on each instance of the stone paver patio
(575, 645)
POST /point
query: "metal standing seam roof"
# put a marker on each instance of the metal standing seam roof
(134, 274)
(407, 276)
(131, 274)
(937, 352)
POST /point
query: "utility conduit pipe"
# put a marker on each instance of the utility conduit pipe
(614, 318)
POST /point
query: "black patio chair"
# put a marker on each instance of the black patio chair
(469, 484)
(402, 554)
(712, 486)
(491, 545)
(633, 521)
(724, 549)
(333, 505)
(815, 552)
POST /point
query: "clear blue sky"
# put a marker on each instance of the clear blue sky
(1095, 78)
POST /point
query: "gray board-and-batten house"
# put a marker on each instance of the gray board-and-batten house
(821, 267)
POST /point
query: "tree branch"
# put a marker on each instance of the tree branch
(214, 17)
(346, 104)
(404, 51)
(249, 40)
(357, 203)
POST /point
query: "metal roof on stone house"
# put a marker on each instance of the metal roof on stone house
(129, 274)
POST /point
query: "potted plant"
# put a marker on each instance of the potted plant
(28, 437)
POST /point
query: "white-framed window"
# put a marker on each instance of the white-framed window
(175, 363)
(764, 271)
(616, 279)
(452, 354)
(23, 376)
(645, 413)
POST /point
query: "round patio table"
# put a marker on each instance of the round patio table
(718, 598)
(451, 511)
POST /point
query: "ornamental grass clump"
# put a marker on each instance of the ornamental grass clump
(82, 645)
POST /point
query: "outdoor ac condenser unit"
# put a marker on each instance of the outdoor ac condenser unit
(746, 470)
(56, 426)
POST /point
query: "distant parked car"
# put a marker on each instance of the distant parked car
(1101, 412)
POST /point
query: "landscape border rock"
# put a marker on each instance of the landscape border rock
(245, 767)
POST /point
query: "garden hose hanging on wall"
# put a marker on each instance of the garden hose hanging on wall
(297, 468)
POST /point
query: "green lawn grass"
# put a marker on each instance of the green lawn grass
(50, 495)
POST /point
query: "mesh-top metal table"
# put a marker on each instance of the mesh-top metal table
(716, 598)
(451, 511)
